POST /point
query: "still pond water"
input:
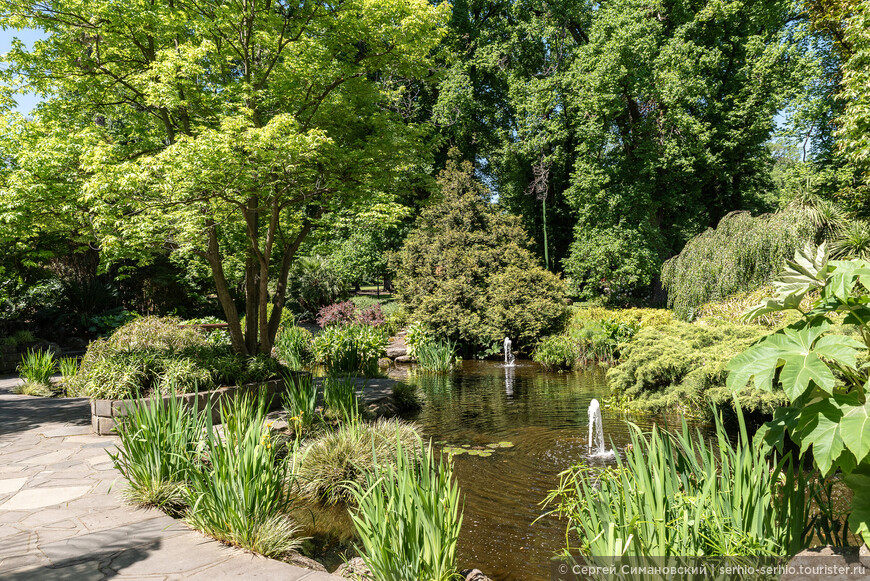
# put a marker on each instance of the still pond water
(543, 416)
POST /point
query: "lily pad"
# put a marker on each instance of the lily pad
(505, 444)
(484, 454)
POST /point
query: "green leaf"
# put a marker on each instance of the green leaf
(772, 433)
(839, 348)
(759, 361)
(855, 429)
(859, 519)
(819, 427)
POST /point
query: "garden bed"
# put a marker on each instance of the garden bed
(105, 413)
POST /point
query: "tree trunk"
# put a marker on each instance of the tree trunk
(252, 294)
(223, 291)
(281, 289)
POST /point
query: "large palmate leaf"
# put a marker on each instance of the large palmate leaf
(855, 430)
(819, 427)
(844, 274)
(799, 352)
(807, 271)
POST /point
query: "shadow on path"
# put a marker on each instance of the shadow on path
(19, 413)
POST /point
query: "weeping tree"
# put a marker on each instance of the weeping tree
(224, 126)
(742, 253)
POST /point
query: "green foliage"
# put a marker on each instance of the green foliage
(436, 356)
(293, 347)
(243, 497)
(350, 348)
(331, 461)
(409, 516)
(416, 334)
(557, 352)
(33, 388)
(614, 262)
(389, 306)
(819, 370)
(741, 254)
(677, 495)
(300, 398)
(153, 354)
(37, 366)
(466, 273)
(595, 334)
(159, 446)
(339, 397)
(68, 366)
(681, 366)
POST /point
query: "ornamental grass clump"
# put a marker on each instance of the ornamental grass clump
(243, 496)
(436, 356)
(160, 443)
(334, 460)
(37, 366)
(674, 494)
(409, 516)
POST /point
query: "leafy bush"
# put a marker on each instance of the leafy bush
(741, 254)
(350, 348)
(347, 313)
(182, 375)
(676, 495)
(153, 354)
(409, 517)
(388, 306)
(293, 346)
(68, 366)
(466, 271)
(557, 352)
(33, 388)
(159, 445)
(37, 367)
(612, 262)
(436, 356)
(313, 284)
(416, 334)
(335, 459)
(244, 497)
(682, 365)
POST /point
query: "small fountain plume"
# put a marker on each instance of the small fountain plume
(596, 430)
(509, 357)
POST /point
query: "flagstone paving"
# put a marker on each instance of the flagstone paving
(62, 516)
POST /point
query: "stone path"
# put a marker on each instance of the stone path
(62, 517)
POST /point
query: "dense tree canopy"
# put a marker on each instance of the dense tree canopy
(217, 126)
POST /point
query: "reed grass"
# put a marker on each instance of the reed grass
(37, 366)
(159, 445)
(339, 397)
(677, 495)
(244, 498)
(436, 356)
(409, 517)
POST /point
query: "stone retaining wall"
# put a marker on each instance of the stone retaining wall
(105, 413)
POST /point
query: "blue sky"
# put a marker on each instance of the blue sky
(26, 102)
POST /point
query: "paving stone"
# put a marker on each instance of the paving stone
(34, 559)
(15, 545)
(250, 567)
(64, 431)
(129, 536)
(8, 485)
(87, 571)
(46, 517)
(32, 498)
(182, 554)
(108, 519)
(48, 459)
(12, 516)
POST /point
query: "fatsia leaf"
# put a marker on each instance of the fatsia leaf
(855, 430)
(772, 433)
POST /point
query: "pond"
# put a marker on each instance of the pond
(517, 429)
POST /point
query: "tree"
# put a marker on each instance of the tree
(229, 125)
(467, 272)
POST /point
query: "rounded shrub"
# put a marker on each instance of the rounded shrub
(336, 459)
